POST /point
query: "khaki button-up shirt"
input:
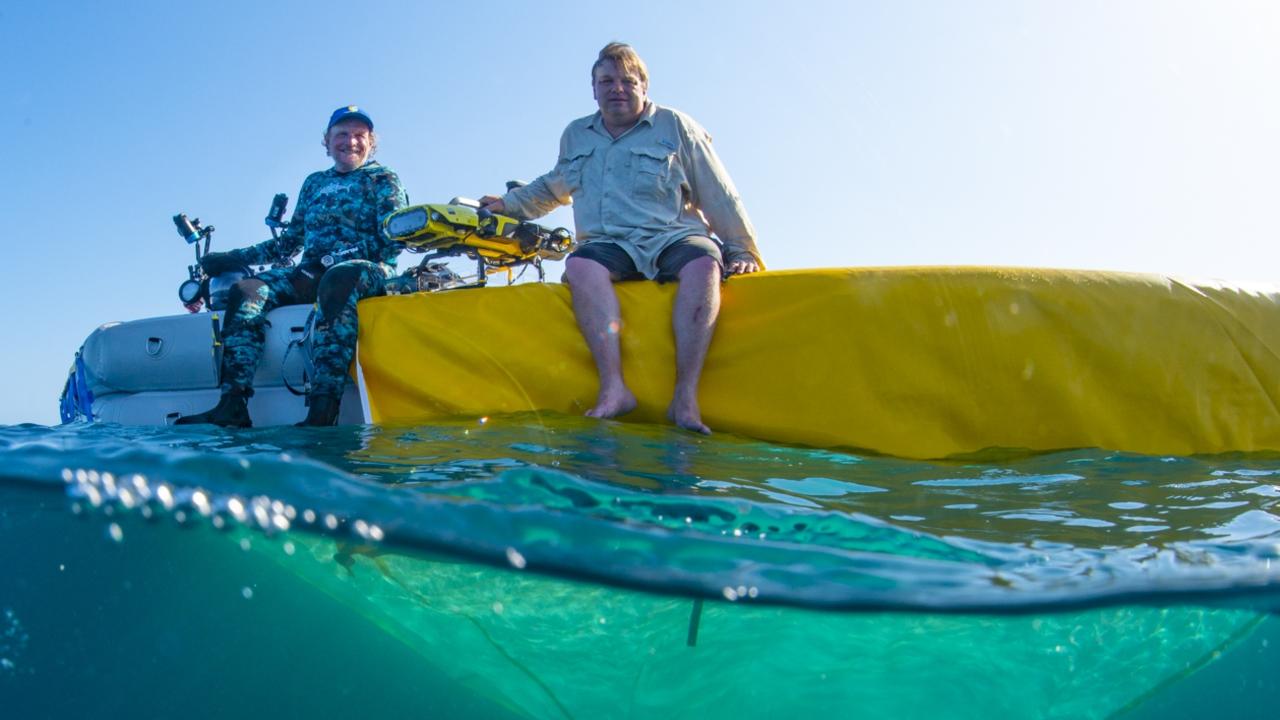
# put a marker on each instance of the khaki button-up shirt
(657, 183)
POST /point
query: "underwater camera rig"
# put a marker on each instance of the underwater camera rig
(460, 228)
(194, 291)
(199, 289)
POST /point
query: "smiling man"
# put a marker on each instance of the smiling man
(344, 258)
(648, 192)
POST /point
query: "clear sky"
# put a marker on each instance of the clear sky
(1139, 135)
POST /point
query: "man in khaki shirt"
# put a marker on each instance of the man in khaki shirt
(647, 191)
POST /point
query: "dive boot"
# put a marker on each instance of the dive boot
(232, 411)
(322, 411)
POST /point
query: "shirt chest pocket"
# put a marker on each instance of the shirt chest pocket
(572, 167)
(654, 172)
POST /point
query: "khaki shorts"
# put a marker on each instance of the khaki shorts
(670, 262)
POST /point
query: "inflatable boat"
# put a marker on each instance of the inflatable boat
(150, 372)
(913, 362)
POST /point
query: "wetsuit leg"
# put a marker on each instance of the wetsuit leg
(334, 336)
(244, 335)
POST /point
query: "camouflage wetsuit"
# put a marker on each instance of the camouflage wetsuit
(344, 258)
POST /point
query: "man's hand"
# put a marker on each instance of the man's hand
(492, 204)
(741, 265)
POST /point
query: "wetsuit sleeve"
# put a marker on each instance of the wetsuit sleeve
(544, 194)
(715, 196)
(290, 240)
(388, 196)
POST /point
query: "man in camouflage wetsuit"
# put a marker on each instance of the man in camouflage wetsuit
(344, 258)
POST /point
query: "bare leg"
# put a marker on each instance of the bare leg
(694, 321)
(595, 305)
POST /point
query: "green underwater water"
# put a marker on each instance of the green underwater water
(560, 568)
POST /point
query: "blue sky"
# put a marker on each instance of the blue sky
(1139, 136)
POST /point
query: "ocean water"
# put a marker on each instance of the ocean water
(539, 566)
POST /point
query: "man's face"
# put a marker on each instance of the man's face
(621, 96)
(349, 143)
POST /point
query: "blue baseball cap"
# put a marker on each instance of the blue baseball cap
(349, 112)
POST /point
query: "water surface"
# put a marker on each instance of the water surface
(545, 566)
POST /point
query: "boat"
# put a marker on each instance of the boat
(929, 362)
(926, 362)
(154, 370)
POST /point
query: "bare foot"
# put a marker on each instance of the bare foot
(612, 402)
(686, 414)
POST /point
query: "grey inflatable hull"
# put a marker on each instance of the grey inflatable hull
(152, 371)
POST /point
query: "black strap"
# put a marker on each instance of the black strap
(308, 368)
(217, 349)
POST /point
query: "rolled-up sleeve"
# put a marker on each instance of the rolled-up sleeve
(546, 193)
(714, 194)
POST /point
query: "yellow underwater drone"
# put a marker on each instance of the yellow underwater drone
(461, 228)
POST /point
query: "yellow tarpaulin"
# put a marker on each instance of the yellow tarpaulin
(913, 362)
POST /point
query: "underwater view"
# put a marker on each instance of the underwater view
(544, 566)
